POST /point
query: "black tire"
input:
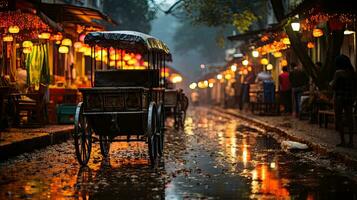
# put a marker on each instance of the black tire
(104, 143)
(82, 136)
(152, 133)
(161, 128)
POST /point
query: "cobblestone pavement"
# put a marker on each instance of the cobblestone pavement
(216, 156)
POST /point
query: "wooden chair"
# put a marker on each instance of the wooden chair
(31, 105)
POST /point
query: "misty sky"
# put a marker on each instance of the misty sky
(163, 27)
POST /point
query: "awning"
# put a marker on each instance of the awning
(70, 14)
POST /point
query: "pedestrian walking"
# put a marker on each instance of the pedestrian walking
(344, 86)
(285, 89)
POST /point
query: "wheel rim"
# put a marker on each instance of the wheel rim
(151, 133)
(104, 143)
(82, 136)
(161, 128)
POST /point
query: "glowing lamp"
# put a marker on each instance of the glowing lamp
(57, 37)
(348, 32)
(177, 79)
(77, 45)
(228, 76)
(255, 53)
(81, 37)
(295, 26)
(269, 67)
(277, 54)
(264, 61)
(44, 36)
(27, 44)
(250, 68)
(310, 45)
(316, 32)
(193, 86)
(27, 50)
(205, 83)
(14, 29)
(8, 38)
(210, 85)
(284, 63)
(67, 42)
(234, 68)
(63, 49)
(245, 71)
(219, 76)
(201, 85)
(202, 66)
(286, 41)
(245, 62)
(58, 42)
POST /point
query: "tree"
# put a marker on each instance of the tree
(321, 77)
(132, 15)
(242, 14)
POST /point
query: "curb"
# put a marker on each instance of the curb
(318, 148)
(31, 144)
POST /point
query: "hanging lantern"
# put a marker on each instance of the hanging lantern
(193, 86)
(57, 37)
(264, 61)
(228, 76)
(234, 68)
(255, 53)
(81, 37)
(284, 63)
(27, 44)
(277, 54)
(245, 62)
(286, 41)
(77, 45)
(249, 68)
(67, 42)
(295, 26)
(44, 36)
(63, 49)
(8, 38)
(310, 45)
(269, 67)
(27, 50)
(245, 71)
(316, 32)
(14, 29)
(219, 76)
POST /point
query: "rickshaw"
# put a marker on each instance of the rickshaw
(122, 104)
(176, 104)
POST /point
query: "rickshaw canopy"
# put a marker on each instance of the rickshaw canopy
(127, 40)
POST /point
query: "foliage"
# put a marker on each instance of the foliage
(242, 14)
(131, 15)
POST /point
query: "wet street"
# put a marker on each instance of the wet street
(216, 156)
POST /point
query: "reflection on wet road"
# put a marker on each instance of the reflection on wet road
(214, 157)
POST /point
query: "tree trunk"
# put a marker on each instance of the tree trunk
(297, 46)
(334, 44)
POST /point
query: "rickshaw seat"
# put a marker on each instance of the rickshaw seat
(127, 78)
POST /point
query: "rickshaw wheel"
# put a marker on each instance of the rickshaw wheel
(184, 109)
(178, 116)
(152, 133)
(82, 136)
(161, 128)
(104, 143)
